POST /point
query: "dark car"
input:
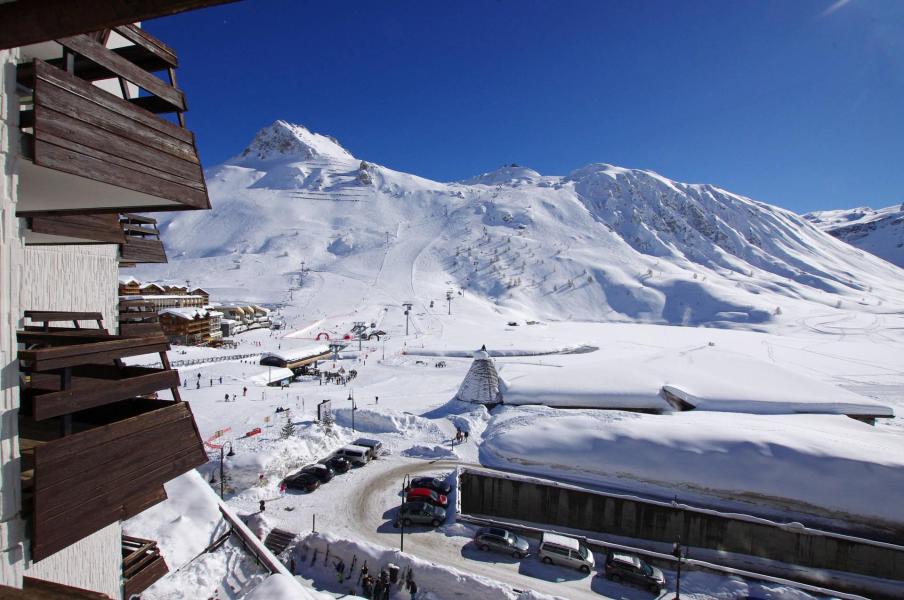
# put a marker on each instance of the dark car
(425, 495)
(622, 566)
(420, 513)
(338, 464)
(320, 471)
(431, 483)
(302, 481)
(501, 540)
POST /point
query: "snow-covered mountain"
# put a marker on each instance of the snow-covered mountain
(879, 232)
(600, 243)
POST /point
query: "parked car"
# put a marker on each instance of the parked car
(501, 540)
(431, 483)
(357, 455)
(302, 481)
(622, 566)
(338, 464)
(375, 446)
(562, 550)
(425, 495)
(320, 471)
(421, 513)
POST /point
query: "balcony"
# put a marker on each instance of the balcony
(93, 148)
(142, 565)
(141, 242)
(97, 443)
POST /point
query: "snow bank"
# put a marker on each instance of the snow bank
(812, 463)
(183, 524)
(383, 421)
(429, 453)
(434, 581)
(283, 587)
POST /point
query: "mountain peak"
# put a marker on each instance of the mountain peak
(287, 141)
(506, 174)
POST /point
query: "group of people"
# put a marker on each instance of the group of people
(378, 588)
(461, 435)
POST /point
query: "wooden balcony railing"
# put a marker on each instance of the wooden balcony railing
(138, 318)
(112, 467)
(142, 565)
(96, 443)
(141, 241)
(90, 139)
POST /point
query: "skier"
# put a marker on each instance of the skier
(221, 381)
(244, 391)
(198, 386)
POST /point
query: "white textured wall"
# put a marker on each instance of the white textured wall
(94, 563)
(11, 257)
(78, 278)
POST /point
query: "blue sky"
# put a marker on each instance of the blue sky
(797, 103)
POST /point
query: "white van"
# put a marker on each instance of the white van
(562, 550)
(357, 455)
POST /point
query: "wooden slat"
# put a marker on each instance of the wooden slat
(137, 250)
(108, 171)
(28, 22)
(139, 329)
(133, 218)
(94, 105)
(140, 229)
(57, 357)
(109, 506)
(103, 228)
(89, 138)
(47, 316)
(87, 480)
(72, 483)
(139, 503)
(61, 336)
(144, 578)
(95, 389)
(142, 38)
(85, 46)
(88, 70)
(80, 442)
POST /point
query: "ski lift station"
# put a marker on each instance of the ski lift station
(298, 359)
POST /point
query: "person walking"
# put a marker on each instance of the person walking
(340, 570)
(466, 435)
(198, 386)
(367, 587)
(221, 381)
(263, 505)
(244, 391)
(227, 398)
(412, 589)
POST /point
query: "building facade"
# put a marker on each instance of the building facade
(78, 148)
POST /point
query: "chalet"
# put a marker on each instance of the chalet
(153, 289)
(129, 287)
(88, 132)
(201, 292)
(186, 326)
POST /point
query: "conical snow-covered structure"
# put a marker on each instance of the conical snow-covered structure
(481, 384)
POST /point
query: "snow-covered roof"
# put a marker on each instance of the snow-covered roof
(153, 285)
(709, 378)
(185, 313)
(158, 297)
(271, 375)
(296, 354)
(128, 280)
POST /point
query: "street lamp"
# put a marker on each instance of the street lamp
(230, 453)
(354, 408)
(679, 553)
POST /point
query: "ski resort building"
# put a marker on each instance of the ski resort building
(296, 360)
(85, 441)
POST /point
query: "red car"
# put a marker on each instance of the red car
(425, 495)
